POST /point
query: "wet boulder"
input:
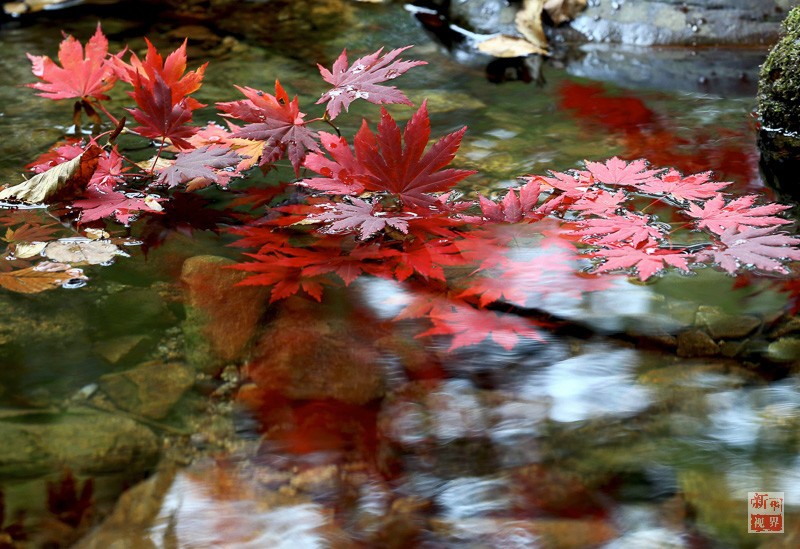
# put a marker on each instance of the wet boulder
(779, 110)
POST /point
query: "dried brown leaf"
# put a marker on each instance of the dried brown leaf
(57, 181)
(43, 276)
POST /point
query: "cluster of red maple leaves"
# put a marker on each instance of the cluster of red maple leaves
(386, 205)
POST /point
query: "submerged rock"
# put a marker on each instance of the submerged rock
(87, 441)
(150, 389)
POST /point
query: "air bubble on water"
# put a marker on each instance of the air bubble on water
(74, 283)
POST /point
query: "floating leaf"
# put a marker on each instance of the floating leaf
(73, 174)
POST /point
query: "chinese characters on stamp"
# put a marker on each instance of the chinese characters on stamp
(765, 512)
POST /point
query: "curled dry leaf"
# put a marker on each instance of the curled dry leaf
(82, 251)
(43, 276)
(58, 180)
(25, 250)
(529, 23)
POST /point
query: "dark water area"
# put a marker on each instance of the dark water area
(640, 415)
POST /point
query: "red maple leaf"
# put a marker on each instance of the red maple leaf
(361, 79)
(388, 163)
(108, 172)
(682, 189)
(647, 260)
(599, 202)
(615, 229)
(517, 205)
(359, 215)
(571, 185)
(61, 152)
(78, 77)
(97, 204)
(203, 163)
(171, 72)
(616, 171)
(718, 216)
(159, 115)
(755, 248)
(276, 121)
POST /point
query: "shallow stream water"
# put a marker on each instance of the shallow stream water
(643, 420)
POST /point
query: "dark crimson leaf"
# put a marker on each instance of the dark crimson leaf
(389, 163)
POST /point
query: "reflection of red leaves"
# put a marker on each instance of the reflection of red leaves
(79, 76)
(274, 120)
(470, 326)
(756, 248)
(647, 260)
(387, 163)
(361, 79)
(719, 216)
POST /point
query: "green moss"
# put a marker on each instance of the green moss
(779, 80)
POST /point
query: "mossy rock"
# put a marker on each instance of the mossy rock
(779, 81)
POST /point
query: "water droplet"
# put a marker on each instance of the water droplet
(74, 283)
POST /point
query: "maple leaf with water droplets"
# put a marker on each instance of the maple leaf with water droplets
(389, 163)
(199, 163)
(361, 79)
(274, 120)
(682, 189)
(761, 248)
(616, 171)
(718, 216)
(79, 77)
(648, 261)
(360, 215)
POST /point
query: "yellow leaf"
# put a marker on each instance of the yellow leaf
(43, 276)
(529, 23)
(249, 148)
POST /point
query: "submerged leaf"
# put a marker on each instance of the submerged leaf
(43, 276)
(82, 251)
